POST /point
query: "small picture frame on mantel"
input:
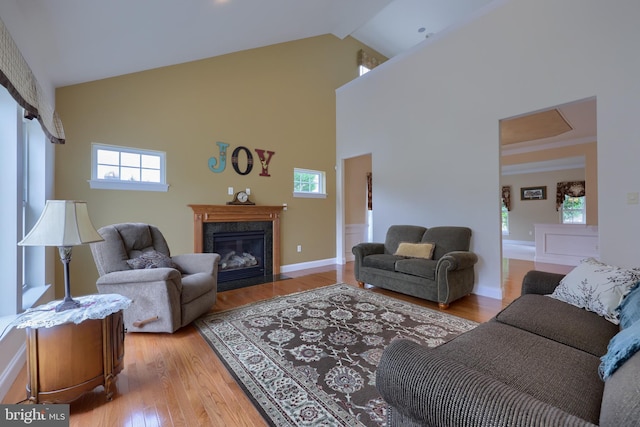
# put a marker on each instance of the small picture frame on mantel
(533, 193)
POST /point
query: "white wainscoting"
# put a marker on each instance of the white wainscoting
(353, 234)
(566, 244)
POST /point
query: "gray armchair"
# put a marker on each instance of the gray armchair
(167, 292)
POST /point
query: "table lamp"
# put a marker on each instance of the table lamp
(63, 223)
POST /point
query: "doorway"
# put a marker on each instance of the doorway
(538, 150)
(358, 203)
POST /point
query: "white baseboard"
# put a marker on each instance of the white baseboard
(311, 264)
(488, 292)
(518, 242)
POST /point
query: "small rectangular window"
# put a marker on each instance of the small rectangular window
(505, 220)
(125, 168)
(309, 183)
(574, 210)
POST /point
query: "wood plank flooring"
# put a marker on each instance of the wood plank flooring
(177, 380)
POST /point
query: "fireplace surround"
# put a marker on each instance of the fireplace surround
(211, 219)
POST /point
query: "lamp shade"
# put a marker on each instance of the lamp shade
(62, 223)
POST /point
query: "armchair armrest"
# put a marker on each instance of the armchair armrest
(540, 282)
(198, 263)
(432, 390)
(457, 260)
(139, 276)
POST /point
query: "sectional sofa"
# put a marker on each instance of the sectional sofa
(540, 362)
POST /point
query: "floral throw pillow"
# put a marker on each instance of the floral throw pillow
(597, 287)
(151, 259)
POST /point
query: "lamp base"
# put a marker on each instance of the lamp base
(67, 304)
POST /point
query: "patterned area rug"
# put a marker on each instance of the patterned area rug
(309, 359)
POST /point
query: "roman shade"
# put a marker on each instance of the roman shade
(17, 77)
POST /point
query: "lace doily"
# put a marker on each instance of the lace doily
(96, 306)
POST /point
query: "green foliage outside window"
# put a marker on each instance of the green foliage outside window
(505, 220)
(573, 210)
(306, 182)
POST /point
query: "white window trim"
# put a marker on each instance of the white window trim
(310, 195)
(108, 184)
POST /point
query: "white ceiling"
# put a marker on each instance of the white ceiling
(76, 41)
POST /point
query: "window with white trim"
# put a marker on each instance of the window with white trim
(126, 168)
(309, 183)
(573, 210)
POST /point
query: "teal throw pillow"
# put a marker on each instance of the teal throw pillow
(621, 348)
(629, 308)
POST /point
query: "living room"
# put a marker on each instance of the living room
(442, 100)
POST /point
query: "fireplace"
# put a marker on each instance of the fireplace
(230, 226)
(244, 247)
(241, 254)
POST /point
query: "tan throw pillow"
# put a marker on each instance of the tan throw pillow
(416, 250)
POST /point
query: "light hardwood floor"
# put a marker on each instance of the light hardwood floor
(177, 380)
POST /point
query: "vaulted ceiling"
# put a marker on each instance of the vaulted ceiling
(77, 41)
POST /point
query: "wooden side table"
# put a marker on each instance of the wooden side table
(72, 352)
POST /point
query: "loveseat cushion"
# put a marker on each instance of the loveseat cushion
(402, 233)
(448, 239)
(551, 372)
(417, 267)
(381, 261)
(561, 322)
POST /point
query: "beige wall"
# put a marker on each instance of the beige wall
(279, 98)
(525, 214)
(589, 151)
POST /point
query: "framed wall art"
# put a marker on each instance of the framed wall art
(533, 193)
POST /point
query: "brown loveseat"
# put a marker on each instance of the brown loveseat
(443, 276)
(535, 364)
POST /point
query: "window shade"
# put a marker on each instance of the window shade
(17, 77)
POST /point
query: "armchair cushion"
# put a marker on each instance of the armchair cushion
(152, 259)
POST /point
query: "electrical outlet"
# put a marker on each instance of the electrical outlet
(230, 191)
(299, 248)
(284, 206)
(248, 191)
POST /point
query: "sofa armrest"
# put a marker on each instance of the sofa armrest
(198, 263)
(457, 260)
(540, 282)
(435, 391)
(361, 250)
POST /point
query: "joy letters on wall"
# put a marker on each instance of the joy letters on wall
(219, 164)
